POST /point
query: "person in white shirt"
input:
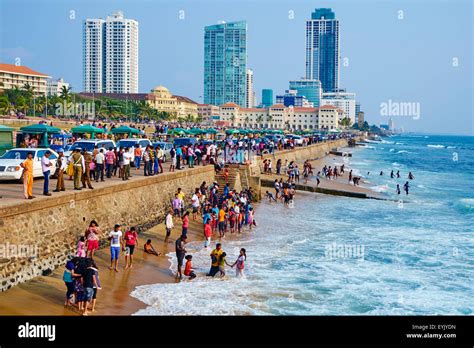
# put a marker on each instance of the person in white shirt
(99, 168)
(45, 164)
(195, 203)
(116, 243)
(169, 223)
(127, 157)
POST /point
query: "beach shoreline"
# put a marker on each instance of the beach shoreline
(44, 295)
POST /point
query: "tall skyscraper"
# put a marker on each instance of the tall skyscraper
(249, 103)
(110, 55)
(322, 49)
(311, 89)
(267, 98)
(225, 63)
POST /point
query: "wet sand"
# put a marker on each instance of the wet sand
(45, 295)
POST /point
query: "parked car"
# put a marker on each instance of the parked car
(89, 145)
(166, 147)
(10, 162)
(131, 143)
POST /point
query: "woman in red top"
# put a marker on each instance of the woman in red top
(131, 239)
(185, 219)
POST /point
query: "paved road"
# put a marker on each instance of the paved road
(12, 192)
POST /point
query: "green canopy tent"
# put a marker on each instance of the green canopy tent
(232, 131)
(125, 130)
(87, 129)
(37, 129)
(195, 131)
(210, 131)
(6, 139)
(177, 131)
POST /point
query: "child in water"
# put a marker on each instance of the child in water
(222, 263)
(240, 263)
(188, 268)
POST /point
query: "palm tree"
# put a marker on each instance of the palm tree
(247, 119)
(65, 93)
(189, 118)
(270, 119)
(5, 105)
(259, 120)
(232, 120)
(345, 122)
(21, 104)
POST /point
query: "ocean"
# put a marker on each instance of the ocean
(329, 255)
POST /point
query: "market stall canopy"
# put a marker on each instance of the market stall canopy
(5, 129)
(39, 129)
(125, 130)
(87, 129)
(195, 131)
(210, 130)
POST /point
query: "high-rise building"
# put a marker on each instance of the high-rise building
(93, 55)
(311, 89)
(267, 98)
(360, 119)
(343, 100)
(357, 107)
(322, 49)
(110, 55)
(225, 63)
(249, 102)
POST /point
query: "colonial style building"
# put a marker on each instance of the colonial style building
(281, 117)
(161, 99)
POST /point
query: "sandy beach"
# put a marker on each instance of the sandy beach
(45, 295)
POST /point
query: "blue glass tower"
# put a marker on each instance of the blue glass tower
(322, 49)
(225, 63)
(267, 98)
(311, 89)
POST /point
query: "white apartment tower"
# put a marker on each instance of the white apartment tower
(249, 94)
(110, 55)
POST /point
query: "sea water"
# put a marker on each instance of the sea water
(412, 254)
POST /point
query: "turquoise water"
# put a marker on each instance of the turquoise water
(335, 255)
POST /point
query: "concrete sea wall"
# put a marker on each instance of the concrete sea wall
(38, 236)
(310, 152)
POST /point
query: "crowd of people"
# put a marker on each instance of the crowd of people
(222, 212)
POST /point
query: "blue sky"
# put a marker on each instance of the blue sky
(403, 60)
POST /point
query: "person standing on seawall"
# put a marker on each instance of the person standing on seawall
(27, 166)
(45, 167)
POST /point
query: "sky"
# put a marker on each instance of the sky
(392, 51)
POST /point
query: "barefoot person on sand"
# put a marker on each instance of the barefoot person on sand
(131, 239)
(169, 224)
(116, 243)
(180, 253)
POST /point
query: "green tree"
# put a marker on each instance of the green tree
(21, 104)
(259, 120)
(65, 93)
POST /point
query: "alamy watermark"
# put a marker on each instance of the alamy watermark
(73, 109)
(394, 108)
(8, 250)
(344, 251)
